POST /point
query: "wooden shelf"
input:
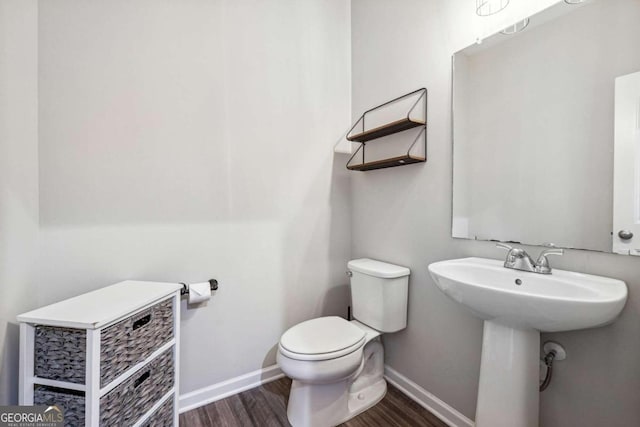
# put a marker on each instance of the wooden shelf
(387, 163)
(387, 129)
(396, 126)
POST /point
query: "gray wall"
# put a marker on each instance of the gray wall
(179, 140)
(403, 215)
(18, 179)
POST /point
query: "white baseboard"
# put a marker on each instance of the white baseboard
(218, 391)
(227, 388)
(427, 400)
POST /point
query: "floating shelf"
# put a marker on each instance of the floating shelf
(396, 126)
(388, 129)
(387, 163)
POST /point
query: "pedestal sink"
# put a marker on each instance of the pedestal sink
(516, 306)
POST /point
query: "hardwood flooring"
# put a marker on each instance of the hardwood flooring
(266, 406)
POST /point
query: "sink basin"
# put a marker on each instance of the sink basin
(516, 306)
(561, 301)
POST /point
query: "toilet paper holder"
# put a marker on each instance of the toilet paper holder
(213, 283)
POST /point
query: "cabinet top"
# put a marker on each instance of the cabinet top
(98, 308)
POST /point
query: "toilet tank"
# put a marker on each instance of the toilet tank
(379, 294)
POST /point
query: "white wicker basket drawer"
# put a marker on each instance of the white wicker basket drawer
(162, 417)
(125, 404)
(133, 339)
(72, 403)
(60, 353)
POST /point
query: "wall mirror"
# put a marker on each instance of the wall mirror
(546, 130)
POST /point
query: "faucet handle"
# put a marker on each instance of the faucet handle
(504, 246)
(553, 251)
(542, 263)
(511, 251)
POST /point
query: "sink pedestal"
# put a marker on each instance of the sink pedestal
(508, 393)
(529, 303)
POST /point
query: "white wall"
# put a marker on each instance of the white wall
(18, 179)
(400, 214)
(403, 215)
(187, 139)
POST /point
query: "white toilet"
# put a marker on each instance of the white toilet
(337, 366)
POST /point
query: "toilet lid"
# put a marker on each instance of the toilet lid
(321, 335)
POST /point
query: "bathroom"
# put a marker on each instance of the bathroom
(183, 140)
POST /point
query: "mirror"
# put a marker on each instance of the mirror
(533, 130)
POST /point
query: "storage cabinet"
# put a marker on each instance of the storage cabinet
(108, 357)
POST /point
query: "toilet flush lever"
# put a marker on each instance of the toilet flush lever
(349, 273)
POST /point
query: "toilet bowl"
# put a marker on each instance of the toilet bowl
(336, 374)
(337, 366)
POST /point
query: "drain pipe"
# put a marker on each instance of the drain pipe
(552, 351)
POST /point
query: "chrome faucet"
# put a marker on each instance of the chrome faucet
(519, 259)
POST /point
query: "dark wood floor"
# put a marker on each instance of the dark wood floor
(266, 406)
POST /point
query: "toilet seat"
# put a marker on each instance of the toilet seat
(322, 338)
